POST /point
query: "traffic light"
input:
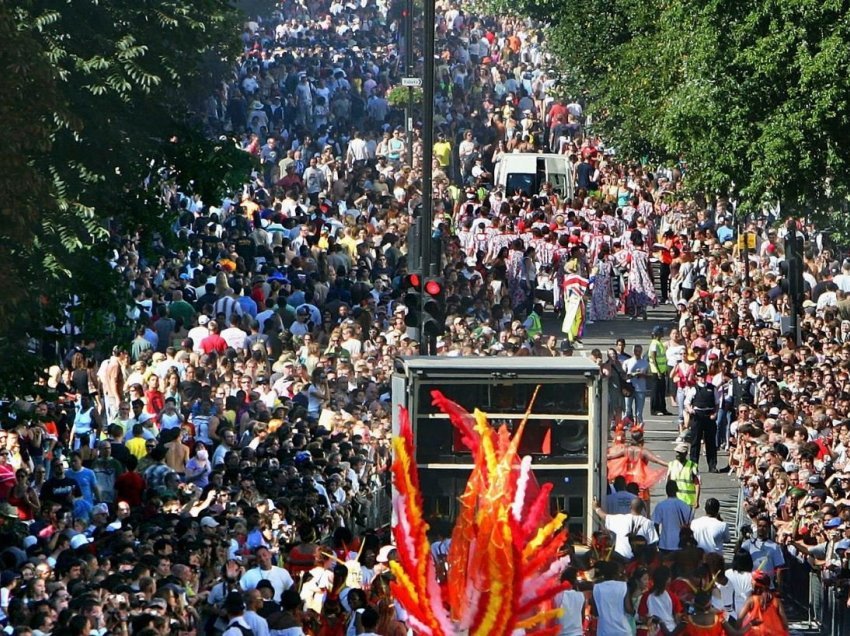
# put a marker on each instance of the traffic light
(433, 309)
(412, 288)
(794, 263)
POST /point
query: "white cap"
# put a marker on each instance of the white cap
(79, 540)
(209, 522)
(203, 319)
(384, 554)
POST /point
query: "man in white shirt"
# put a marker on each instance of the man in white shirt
(711, 532)
(277, 576)
(234, 336)
(842, 280)
(634, 523)
(357, 151)
(671, 515)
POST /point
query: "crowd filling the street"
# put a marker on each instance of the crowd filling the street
(226, 471)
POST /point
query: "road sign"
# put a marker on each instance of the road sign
(750, 238)
(411, 82)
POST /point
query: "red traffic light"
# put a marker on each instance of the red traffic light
(433, 287)
(413, 280)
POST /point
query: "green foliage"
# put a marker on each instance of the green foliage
(96, 97)
(397, 97)
(754, 94)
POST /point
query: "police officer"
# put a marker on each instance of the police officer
(660, 370)
(703, 410)
(743, 386)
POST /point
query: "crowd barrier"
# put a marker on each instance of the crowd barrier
(371, 510)
(817, 601)
(376, 509)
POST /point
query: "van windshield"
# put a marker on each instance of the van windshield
(521, 182)
(559, 182)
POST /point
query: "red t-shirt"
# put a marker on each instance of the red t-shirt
(129, 487)
(213, 342)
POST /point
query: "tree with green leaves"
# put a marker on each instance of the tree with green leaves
(751, 96)
(97, 98)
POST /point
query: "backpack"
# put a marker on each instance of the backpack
(246, 631)
(686, 535)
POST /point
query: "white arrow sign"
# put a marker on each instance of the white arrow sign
(411, 82)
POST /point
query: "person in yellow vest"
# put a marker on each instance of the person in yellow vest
(659, 370)
(686, 475)
(534, 323)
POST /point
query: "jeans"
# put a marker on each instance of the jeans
(724, 419)
(680, 403)
(634, 406)
(111, 407)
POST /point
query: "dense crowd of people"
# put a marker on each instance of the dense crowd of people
(226, 469)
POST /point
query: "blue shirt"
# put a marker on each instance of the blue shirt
(767, 556)
(725, 233)
(249, 306)
(86, 480)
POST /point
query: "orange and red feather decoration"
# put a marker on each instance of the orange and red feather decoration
(504, 563)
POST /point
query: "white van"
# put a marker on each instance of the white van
(526, 172)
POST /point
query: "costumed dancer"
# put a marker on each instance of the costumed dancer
(575, 286)
(632, 461)
(603, 302)
(640, 290)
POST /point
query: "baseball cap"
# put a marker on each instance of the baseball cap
(384, 554)
(209, 522)
(203, 319)
(79, 540)
(681, 447)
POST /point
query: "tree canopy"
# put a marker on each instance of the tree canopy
(750, 95)
(97, 96)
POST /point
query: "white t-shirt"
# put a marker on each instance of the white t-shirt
(622, 525)
(572, 603)
(277, 576)
(609, 597)
(742, 584)
(661, 607)
(710, 533)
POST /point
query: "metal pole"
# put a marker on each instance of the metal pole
(427, 148)
(793, 256)
(409, 70)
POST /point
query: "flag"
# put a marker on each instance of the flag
(575, 284)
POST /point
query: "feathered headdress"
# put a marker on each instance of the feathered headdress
(504, 564)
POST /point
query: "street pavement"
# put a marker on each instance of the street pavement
(660, 432)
